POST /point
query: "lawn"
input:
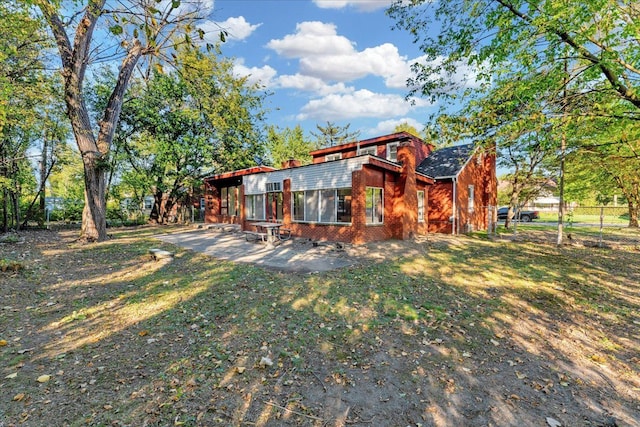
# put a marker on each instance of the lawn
(463, 331)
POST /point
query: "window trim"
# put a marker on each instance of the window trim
(332, 157)
(421, 208)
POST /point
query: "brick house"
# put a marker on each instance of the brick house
(358, 192)
(464, 191)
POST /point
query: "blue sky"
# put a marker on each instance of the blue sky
(323, 60)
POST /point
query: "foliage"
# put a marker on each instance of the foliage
(608, 159)
(485, 37)
(332, 134)
(285, 144)
(25, 93)
(178, 127)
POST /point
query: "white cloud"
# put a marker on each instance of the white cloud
(328, 56)
(311, 84)
(363, 5)
(361, 103)
(237, 28)
(262, 75)
(387, 126)
(312, 38)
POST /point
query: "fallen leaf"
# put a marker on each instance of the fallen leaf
(240, 369)
(143, 333)
(18, 397)
(553, 422)
(43, 378)
(3, 343)
(494, 342)
(520, 375)
(11, 376)
(107, 407)
(514, 397)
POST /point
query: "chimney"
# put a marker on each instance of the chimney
(291, 163)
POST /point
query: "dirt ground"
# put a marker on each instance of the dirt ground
(70, 356)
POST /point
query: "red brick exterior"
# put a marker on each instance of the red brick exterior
(346, 151)
(400, 183)
(480, 172)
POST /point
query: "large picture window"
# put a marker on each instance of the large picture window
(254, 206)
(324, 206)
(421, 206)
(374, 206)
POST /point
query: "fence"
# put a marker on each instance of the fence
(597, 224)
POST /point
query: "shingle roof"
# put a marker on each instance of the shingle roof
(446, 162)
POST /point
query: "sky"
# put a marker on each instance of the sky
(323, 60)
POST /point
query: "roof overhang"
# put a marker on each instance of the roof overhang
(238, 173)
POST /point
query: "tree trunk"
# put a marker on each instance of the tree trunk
(633, 214)
(94, 214)
(156, 210)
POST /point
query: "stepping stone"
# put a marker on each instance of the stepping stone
(160, 254)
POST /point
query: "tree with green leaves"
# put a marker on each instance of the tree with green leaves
(607, 154)
(140, 29)
(177, 127)
(24, 95)
(285, 144)
(332, 134)
(486, 37)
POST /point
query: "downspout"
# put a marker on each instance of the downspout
(455, 208)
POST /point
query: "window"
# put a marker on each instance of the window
(325, 206)
(297, 199)
(202, 203)
(420, 206)
(311, 210)
(374, 207)
(368, 151)
(328, 206)
(471, 197)
(392, 152)
(254, 206)
(272, 187)
(148, 203)
(329, 157)
(228, 201)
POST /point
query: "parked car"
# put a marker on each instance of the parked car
(525, 216)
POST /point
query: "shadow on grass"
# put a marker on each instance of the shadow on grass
(472, 333)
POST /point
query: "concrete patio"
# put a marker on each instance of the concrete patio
(228, 243)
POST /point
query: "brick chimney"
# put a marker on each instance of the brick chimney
(409, 196)
(291, 163)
